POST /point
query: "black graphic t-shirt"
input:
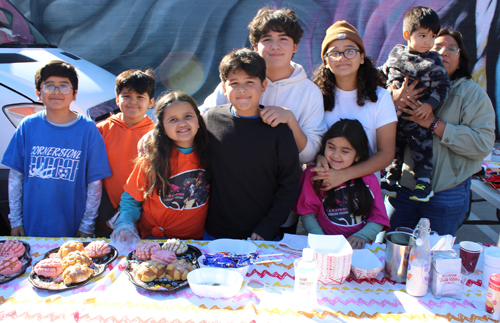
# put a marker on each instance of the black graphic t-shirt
(341, 215)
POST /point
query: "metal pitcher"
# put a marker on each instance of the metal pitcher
(397, 252)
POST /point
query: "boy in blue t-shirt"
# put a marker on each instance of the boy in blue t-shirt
(57, 159)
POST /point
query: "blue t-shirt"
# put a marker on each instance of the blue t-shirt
(58, 163)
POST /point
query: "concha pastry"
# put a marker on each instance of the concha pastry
(164, 256)
(49, 267)
(97, 249)
(150, 270)
(145, 249)
(9, 265)
(76, 274)
(179, 269)
(12, 248)
(76, 258)
(175, 245)
(69, 247)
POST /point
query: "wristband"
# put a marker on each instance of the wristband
(434, 124)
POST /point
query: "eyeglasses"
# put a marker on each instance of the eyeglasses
(452, 50)
(334, 56)
(63, 89)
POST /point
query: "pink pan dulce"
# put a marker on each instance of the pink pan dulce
(145, 249)
(49, 267)
(12, 248)
(164, 256)
(9, 265)
(97, 249)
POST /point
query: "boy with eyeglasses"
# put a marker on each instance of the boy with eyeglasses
(57, 159)
(419, 62)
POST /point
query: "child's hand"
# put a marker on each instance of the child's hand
(80, 234)
(17, 231)
(273, 115)
(255, 236)
(356, 242)
(423, 111)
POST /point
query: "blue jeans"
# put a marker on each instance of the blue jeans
(445, 210)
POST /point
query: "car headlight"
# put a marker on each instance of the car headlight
(17, 112)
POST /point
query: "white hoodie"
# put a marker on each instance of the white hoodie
(296, 93)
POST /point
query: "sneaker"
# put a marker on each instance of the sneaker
(389, 190)
(422, 192)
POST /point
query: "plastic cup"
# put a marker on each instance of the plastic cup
(487, 272)
(469, 253)
(492, 257)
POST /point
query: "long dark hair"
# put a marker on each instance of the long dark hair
(158, 147)
(368, 78)
(359, 197)
(463, 66)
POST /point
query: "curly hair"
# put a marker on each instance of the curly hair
(158, 147)
(368, 78)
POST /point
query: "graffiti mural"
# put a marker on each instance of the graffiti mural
(184, 40)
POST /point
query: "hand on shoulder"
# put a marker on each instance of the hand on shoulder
(274, 115)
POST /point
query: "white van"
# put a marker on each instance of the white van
(22, 51)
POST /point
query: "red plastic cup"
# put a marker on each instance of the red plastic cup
(469, 253)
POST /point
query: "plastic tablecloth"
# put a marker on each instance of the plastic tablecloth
(111, 297)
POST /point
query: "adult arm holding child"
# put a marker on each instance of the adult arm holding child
(386, 148)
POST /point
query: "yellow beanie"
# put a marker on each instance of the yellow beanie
(341, 30)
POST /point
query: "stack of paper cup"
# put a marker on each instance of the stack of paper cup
(491, 264)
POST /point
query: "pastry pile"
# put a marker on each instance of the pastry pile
(71, 264)
(161, 262)
(10, 251)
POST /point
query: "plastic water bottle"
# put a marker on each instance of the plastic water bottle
(419, 262)
(306, 278)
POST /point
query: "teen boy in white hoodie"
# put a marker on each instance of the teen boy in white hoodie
(290, 96)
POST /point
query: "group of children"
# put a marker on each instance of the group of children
(233, 172)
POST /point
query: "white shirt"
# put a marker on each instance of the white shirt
(372, 115)
(296, 93)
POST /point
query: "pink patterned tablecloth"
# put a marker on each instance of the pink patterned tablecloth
(113, 298)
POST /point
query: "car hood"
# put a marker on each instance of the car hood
(18, 73)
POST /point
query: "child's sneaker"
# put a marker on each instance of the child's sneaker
(389, 190)
(422, 192)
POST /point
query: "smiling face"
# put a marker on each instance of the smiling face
(276, 48)
(181, 123)
(56, 101)
(450, 62)
(421, 40)
(133, 105)
(244, 91)
(340, 153)
(344, 68)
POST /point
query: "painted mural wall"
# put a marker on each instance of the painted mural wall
(184, 40)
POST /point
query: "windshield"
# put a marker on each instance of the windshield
(17, 31)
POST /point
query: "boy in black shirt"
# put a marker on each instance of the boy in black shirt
(255, 167)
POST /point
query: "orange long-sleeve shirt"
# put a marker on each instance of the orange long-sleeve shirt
(121, 147)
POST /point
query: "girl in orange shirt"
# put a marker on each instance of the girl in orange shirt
(167, 193)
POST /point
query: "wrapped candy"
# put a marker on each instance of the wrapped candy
(231, 260)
